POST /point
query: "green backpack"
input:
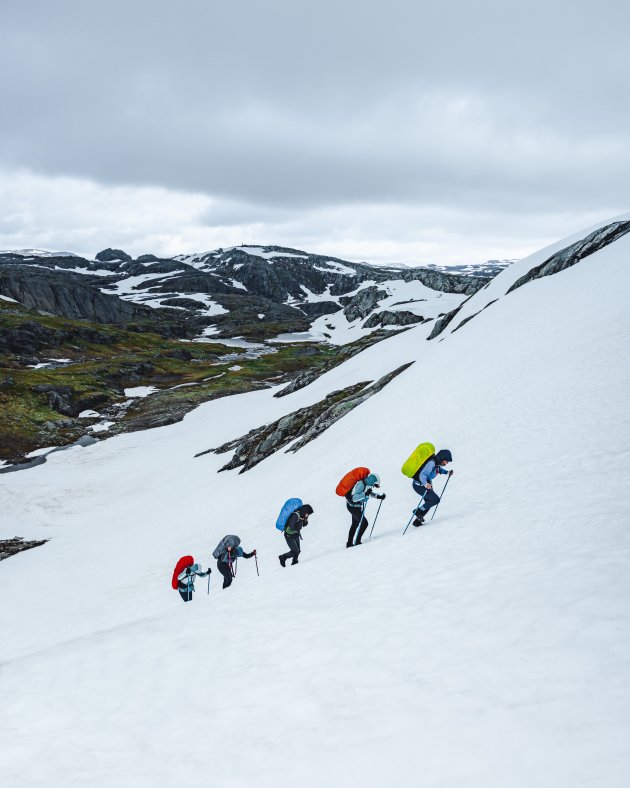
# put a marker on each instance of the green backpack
(417, 459)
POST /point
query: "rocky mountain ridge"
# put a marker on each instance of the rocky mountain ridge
(251, 291)
(77, 335)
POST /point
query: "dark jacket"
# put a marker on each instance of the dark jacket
(297, 521)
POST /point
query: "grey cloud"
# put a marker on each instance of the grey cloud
(317, 104)
(359, 121)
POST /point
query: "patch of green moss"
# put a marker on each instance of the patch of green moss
(103, 369)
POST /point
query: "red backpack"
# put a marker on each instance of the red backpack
(184, 561)
(350, 479)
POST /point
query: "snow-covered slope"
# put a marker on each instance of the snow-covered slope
(500, 286)
(488, 648)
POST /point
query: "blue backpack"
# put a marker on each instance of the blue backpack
(289, 507)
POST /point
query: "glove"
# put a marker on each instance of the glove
(450, 473)
(381, 497)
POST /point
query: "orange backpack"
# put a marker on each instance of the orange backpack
(350, 479)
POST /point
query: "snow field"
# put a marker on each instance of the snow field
(488, 648)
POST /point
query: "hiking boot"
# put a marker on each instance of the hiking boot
(282, 560)
(294, 562)
(419, 518)
(349, 544)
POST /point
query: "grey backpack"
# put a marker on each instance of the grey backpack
(227, 541)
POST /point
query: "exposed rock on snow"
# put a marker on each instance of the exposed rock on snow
(443, 322)
(186, 303)
(571, 255)
(9, 547)
(364, 302)
(305, 424)
(319, 308)
(343, 354)
(392, 318)
(470, 317)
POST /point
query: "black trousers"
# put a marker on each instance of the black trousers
(356, 510)
(293, 540)
(185, 593)
(431, 498)
(226, 572)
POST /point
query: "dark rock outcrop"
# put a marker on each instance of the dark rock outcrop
(243, 311)
(341, 354)
(112, 255)
(64, 399)
(443, 322)
(392, 318)
(65, 294)
(187, 303)
(31, 337)
(274, 282)
(9, 547)
(319, 308)
(470, 317)
(305, 424)
(557, 262)
(577, 251)
(148, 258)
(364, 302)
(446, 283)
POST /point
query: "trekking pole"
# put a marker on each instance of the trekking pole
(413, 514)
(442, 496)
(256, 559)
(356, 536)
(376, 518)
(208, 580)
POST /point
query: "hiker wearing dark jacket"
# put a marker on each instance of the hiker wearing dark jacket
(186, 580)
(227, 554)
(356, 501)
(423, 483)
(292, 532)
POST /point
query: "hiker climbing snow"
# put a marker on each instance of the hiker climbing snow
(292, 525)
(423, 483)
(227, 553)
(184, 576)
(357, 486)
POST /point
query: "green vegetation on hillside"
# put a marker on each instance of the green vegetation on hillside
(40, 407)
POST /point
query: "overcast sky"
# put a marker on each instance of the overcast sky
(397, 131)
